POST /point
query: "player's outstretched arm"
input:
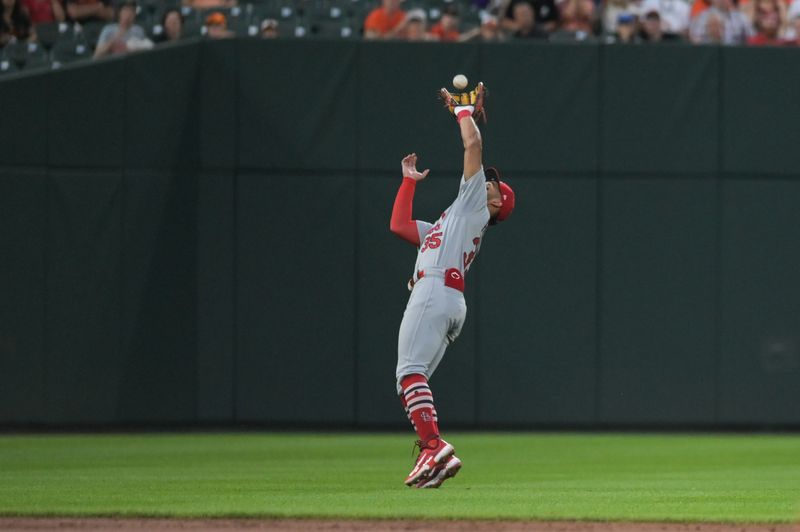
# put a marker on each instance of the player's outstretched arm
(473, 144)
(465, 106)
(402, 223)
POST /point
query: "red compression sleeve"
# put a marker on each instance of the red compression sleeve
(402, 225)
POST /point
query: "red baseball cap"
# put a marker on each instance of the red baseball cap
(506, 193)
(509, 198)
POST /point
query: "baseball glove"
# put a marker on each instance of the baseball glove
(472, 100)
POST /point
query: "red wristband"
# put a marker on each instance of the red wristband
(463, 114)
(410, 178)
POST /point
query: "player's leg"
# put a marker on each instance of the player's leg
(458, 314)
(432, 320)
(428, 327)
(450, 466)
(422, 331)
(421, 344)
(417, 398)
(418, 373)
(437, 461)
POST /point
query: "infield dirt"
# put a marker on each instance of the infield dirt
(294, 525)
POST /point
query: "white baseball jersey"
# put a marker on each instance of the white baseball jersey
(455, 239)
(435, 313)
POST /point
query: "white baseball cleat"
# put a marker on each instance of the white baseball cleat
(432, 453)
(442, 472)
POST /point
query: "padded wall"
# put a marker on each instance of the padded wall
(199, 234)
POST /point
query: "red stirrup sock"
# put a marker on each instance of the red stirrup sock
(417, 400)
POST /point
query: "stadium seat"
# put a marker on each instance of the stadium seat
(148, 12)
(286, 10)
(258, 12)
(47, 34)
(16, 53)
(189, 14)
(90, 32)
(264, 9)
(192, 28)
(244, 26)
(70, 50)
(24, 54)
(434, 14)
(571, 36)
(332, 29)
(154, 31)
(300, 29)
(144, 17)
(7, 67)
(37, 61)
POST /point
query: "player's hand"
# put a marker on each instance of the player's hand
(472, 101)
(409, 164)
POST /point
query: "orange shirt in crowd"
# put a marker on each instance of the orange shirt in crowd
(699, 6)
(210, 4)
(381, 22)
(447, 36)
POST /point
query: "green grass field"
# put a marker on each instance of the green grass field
(728, 478)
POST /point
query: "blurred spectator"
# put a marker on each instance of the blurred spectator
(612, 10)
(122, 36)
(386, 21)
(674, 14)
(736, 28)
(171, 26)
(269, 28)
(753, 7)
(447, 28)
(14, 23)
(89, 10)
(576, 15)
(41, 11)
(652, 29)
(416, 26)
(792, 21)
(490, 6)
(793, 11)
(208, 4)
(793, 31)
(626, 29)
(525, 22)
(698, 7)
(217, 26)
(768, 23)
(715, 29)
(545, 14)
(489, 30)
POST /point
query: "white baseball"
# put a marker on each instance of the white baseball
(460, 81)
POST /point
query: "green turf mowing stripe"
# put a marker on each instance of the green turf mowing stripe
(729, 478)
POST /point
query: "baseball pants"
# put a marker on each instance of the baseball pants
(432, 320)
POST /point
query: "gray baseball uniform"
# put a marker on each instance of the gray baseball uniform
(436, 311)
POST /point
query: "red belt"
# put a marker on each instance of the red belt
(452, 278)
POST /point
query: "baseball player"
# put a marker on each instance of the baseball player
(436, 309)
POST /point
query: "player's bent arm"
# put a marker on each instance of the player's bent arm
(473, 146)
(402, 224)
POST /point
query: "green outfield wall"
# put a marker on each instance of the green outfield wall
(199, 234)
